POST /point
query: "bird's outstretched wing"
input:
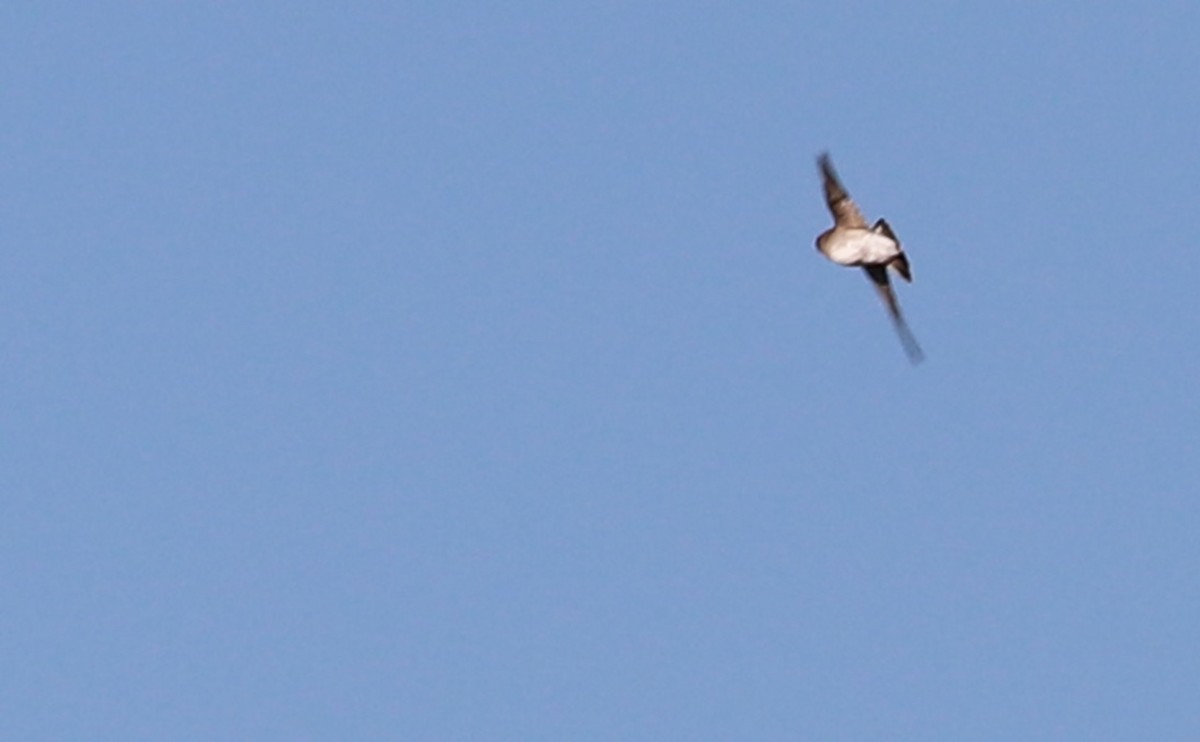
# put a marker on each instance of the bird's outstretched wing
(845, 212)
(879, 276)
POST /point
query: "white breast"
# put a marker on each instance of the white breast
(861, 247)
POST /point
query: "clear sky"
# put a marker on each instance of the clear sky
(465, 371)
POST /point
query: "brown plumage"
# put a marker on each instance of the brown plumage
(851, 242)
(845, 211)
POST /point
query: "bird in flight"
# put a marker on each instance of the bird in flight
(851, 242)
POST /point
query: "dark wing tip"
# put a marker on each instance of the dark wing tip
(911, 348)
(826, 165)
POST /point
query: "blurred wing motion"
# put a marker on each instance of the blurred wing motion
(845, 211)
(883, 284)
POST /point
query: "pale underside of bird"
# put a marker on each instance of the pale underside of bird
(875, 248)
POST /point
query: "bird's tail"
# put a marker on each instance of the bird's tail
(900, 265)
(900, 262)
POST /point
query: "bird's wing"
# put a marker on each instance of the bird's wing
(879, 276)
(845, 212)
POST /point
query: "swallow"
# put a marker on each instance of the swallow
(851, 242)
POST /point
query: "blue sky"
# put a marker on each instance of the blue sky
(465, 371)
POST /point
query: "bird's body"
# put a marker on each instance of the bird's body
(851, 242)
(856, 246)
